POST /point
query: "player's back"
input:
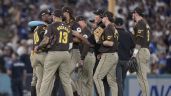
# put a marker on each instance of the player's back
(61, 36)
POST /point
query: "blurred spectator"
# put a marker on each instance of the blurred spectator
(24, 55)
(5, 81)
(7, 56)
(18, 75)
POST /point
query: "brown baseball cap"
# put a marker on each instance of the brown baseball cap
(58, 13)
(118, 21)
(80, 18)
(139, 11)
(109, 15)
(43, 12)
(99, 12)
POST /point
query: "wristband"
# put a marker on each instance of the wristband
(70, 46)
(135, 52)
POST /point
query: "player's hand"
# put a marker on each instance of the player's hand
(36, 50)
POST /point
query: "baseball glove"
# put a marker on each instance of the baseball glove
(132, 65)
(97, 33)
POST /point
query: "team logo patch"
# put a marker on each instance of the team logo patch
(79, 30)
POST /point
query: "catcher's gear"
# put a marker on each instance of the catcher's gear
(132, 65)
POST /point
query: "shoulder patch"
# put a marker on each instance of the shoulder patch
(79, 29)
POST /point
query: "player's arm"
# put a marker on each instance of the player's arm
(85, 47)
(76, 40)
(109, 37)
(76, 29)
(46, 38)
(78, 35)
(44, 42)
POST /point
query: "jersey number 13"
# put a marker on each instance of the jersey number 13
(63, 37)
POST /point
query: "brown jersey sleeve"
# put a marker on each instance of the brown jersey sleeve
(49, 31)
(47, 37)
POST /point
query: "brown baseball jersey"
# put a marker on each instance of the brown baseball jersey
(84, 49)
(142, 34)
(109, 34)
(60, 36)
(75, 27)
(38, 36)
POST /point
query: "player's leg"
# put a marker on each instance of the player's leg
(104, 66)
(111, 76)
(119, 78)
(39, 70)
(75, 57)
(34, 77)
(142, 59)
(52, 62)
(86, 77)
(65, 70)
(94, 70)
(57, 89)
(124, 72)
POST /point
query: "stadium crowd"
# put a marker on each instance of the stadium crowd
(16, 36)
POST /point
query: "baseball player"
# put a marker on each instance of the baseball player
(109, 58)
(125, 48)
(58, 37)
(70, 21)
(87, 61)
(98, 28)
(141, 51)
(37, 59)
(97, 33)
(77, 39)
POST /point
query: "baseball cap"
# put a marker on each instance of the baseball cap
(67, 9)
(118, 21)
(58, 13)
(139, 11)
(80, 18)
(109, 15)
(99, 12)
(43, 12)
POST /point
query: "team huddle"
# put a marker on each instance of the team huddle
(67, 50)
